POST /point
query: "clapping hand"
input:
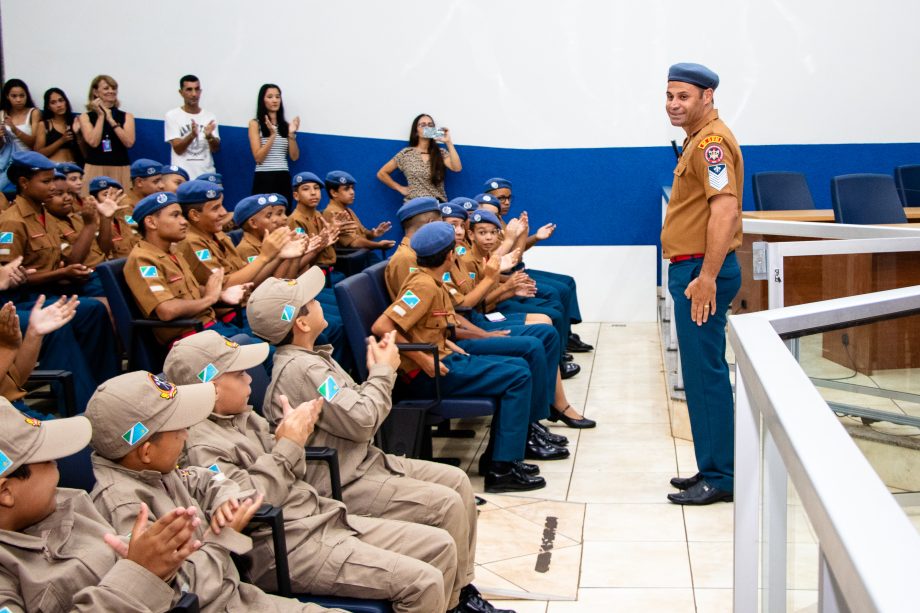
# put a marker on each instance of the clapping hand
(384, 352)
(297, 424)
(10, 334)
(162, 547)
(381, 229)
(13, 274)
(544, 232)
(236, 294)
(235, 514)
(55, 316)
(294, 126)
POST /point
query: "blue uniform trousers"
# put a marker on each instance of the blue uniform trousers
(564, 285)
(539, 305)
(705, 370)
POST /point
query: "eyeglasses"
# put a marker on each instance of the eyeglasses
(505, 198)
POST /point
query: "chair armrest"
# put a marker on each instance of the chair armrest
(331, 457)
(65, 378)
(187, 604)
(273, 517)
(433, 350)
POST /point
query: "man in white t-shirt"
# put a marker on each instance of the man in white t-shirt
(192, 131)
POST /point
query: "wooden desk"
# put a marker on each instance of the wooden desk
(819, 215)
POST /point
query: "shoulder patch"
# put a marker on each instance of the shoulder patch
(445, 277)
(410, 299)
(251, 259)
(709, 140)
(299, 230)
(461, 250)
(718, 176)
(473, 276)
(149, 272)
(412, 269)
(203, 254)
(130, 220)
(328, 389)
(713, 154)
(6, 238)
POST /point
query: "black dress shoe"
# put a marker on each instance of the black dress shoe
(538, 450)
(569, 369)
(567, 357)
(557, 415)
(506, 477)
(685, 483)
(528, 469)
(556, 439)
(471, 601)
(700, 494)
(576, 345)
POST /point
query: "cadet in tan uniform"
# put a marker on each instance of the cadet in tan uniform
(701, 231)
(255, 215)
(305, 219)
(341, 189)
(173, 177)
(124, 228)
(328, 552)
(146, 179)
(374, 483)
(57, 553)
(140, 423)
(162, 282)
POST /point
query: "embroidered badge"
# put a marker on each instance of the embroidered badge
(251, 259)
(399, 310)
(167, 389)
(473, 276)
(135, 434)
(210, 194)
(445, 210)
(287, 313)
(273, 198)
(493, 185)
(4, 251)
(207, 373)
(718, 176)
(445, 277)
(162, 198)
(6, 238)
(709, 140)
(299, 230)
(411, 299)
(33, 422)
(203, 254)
(328, 389)
(149, 272)
(262, 200)
(461, 250)
(714, 154)
(156, 288)
(214, 468)
(477, 217)
(5, 462)
(151, 170)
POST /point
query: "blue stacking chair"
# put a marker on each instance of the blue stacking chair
(236, 236)
(866, 199)
(907, 180)
(781, 191)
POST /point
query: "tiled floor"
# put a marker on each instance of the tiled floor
(639, 553)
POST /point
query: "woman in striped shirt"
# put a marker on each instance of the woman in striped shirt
(272, 140)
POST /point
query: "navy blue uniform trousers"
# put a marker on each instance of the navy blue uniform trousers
(565, 288)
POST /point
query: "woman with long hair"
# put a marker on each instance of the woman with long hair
(273, 140)
(19, 115)
(423, 162)
(59, 129)
(108, 133)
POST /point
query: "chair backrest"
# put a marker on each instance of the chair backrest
(907, 180)
(377, 275)
(866, 199)
(781, 191)
(236, 236)
(359, 305)
(76, 471)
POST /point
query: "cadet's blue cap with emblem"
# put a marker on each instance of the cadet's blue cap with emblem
(340, 177)
(468, 204)
(483, 216)
(172, 169)
(144, 168)
(152, 204)
(496, 183)
(432, 238)
(454, 210)
(249, 206)
(695, 74)
(276, 200)
(213, 177)
(417, 206)
(69, 167)
(97, 184)
(305, 177)
(196, 192)
(58, 175)
(31, 160)
(487, 199)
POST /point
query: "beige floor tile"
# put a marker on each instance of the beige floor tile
(504, 535)
(627, 435)
(634, 522)
(503, 501)
(567, 517)
(634, 412)
(712, 523)
(612, 487)
(713, 600)
(802, 566)
(635, 564)
(626, 392)
(625, 459)
(491, 584)
(711, 564)
(521, 606)
(686, 459)
(628, 600)
(560, 580)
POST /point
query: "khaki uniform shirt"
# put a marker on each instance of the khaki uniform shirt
(11, 385)
(471, 269)
(423, 312)
(346, 239)
(70, 228)
(351, 415)
(22, 232)
(401, 264)
(710, 165)
(242, 448)
(307, 221)
(205, 252)
(62, 564)
(249, 248)
(131, 199)
(155, 276)
(124, 232)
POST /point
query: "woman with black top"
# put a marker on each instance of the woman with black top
(59, 130)
(108, 133)
(272, 141)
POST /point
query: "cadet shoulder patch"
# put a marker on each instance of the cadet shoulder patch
(461, 250)
(445, 277)
(713, 154)
(718, 176)
(410, 299)
(203, 254)
(399, 310)
(412, 269)
(6, 238)
(709, 140)
(328, 389)
(251, 259)
(130, 220)
(473, 276)
(218, 473)
(299, 230)
(149, 272)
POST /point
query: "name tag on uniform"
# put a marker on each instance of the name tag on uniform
(496, 316)
(39, 235)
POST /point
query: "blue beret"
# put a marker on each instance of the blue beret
(176, 170)
(695, 74)
(496, 183)
(146, 168)
(249, 206)
(276, 200)
(455, 210)
(97, 184)
(305, 177)
(487, 199)
(212, 177)
(481, 216)
(60, 175)
(152, 204)
(196, 192)
(340, 177)
(416, 206)
(31, 160)
(69, 167)
(432, 238)
(468, 204)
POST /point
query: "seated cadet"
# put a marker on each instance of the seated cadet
(146, 179)
(162, 283)
(254, 215)
(373, 558)
(124, 228)
(305, 219)
(374, 484)
(74, 174)
(140, 423)
(173, 177)
(211, 177)
(553, 284)
(57, 553)
(341, 189)
(423, 314)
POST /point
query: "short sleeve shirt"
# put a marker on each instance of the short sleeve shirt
(418, 174)
(400, 265)
(26, 232)
(346, 239)
(710, 165)
(124, 232)
(196, 159)
(305, 220)
(205, 252)
(249, 248)
(70, 227)
(423, 311)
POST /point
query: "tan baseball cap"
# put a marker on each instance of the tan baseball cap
(129, 409)
(273, 306)
(26, 440)
(201, 357)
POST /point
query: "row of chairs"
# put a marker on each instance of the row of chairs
(856, 198)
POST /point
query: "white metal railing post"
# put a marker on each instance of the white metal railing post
(747, 500)
(830, 600)
(775, 534)
(776, 276)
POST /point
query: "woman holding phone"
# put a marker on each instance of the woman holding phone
(108, 133)
(423, 162)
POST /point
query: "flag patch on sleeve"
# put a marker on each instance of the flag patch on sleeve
(410, 299)
(328, 388)
(6, 238)
(149, 272)
(203, 254)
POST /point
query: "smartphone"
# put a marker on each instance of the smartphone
(430, 132)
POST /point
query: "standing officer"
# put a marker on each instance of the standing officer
(701, 231)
